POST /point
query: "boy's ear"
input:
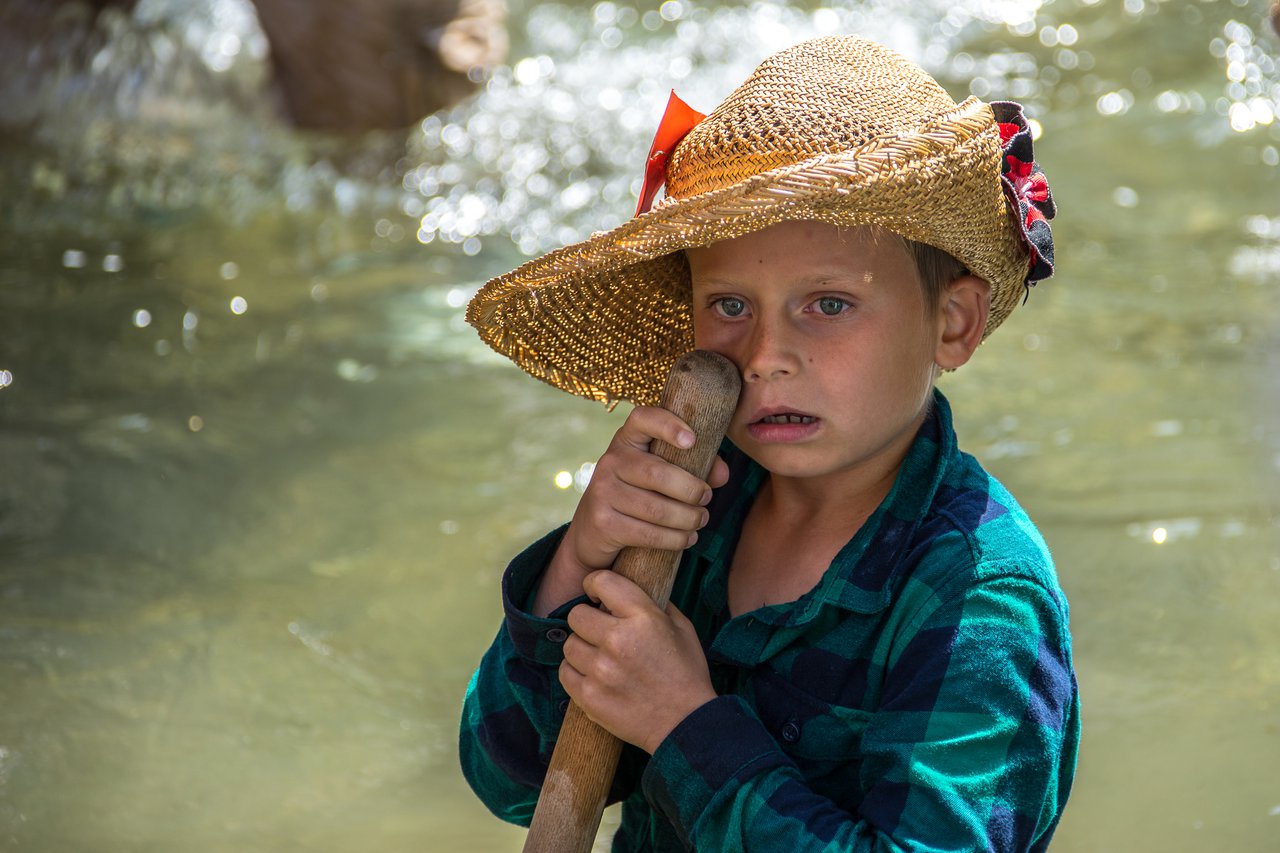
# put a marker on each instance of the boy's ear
(966, 302)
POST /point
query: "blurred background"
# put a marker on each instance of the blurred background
(258, 481)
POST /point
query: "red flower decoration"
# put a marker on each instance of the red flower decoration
(1026, 188)
(1028, 185)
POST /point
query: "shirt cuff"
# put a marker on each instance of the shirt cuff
(706, 758)
(537, 640)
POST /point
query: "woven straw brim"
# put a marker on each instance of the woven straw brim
(605, 318)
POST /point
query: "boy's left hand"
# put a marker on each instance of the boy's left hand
(634, 669)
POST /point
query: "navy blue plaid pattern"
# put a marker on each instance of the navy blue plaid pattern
(921, 697)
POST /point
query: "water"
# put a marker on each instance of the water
(258, 481)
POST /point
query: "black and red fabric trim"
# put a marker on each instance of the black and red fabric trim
(1027, 188)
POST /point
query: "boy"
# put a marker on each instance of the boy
(866, 646)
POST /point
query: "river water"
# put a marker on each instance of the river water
(258, 480)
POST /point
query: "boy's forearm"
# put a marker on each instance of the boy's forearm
(561, 583)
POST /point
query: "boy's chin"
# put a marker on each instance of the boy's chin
(789, 461)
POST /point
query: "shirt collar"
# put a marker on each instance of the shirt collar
(861, 577)
(863, 573)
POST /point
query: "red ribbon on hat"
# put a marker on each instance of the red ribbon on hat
(678, 119)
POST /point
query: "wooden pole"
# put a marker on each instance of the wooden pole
(703, 390)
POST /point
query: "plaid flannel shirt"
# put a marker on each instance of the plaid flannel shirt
(921, 697)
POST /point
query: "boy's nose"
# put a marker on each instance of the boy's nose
(768, 355)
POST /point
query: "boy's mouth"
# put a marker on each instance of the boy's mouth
(775, 424)
(787, 418)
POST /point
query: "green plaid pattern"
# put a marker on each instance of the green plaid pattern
(921, 697)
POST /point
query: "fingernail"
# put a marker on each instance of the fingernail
(693, 537)
(685, 439)
(706, 498)
(706, 516)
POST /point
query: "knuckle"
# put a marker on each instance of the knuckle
(650, 414)
(605, 676)
(652, 509)
(632, 533)
(644, 423)
(598, 515)
(657, 471)
(666, 539)
(653, 538)
(693, 520)
(639, 413)
(585, 695)
(568, 677)
(604, 477)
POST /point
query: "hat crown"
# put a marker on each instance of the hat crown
(823, 96)
(838, 130)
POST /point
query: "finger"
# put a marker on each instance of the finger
(588, 666)
(622, 596)
(719, 473)
(655, 474)
(578, 653)
(654, 508)
(627, 531)
(582, 690)
(571, 680)
(590, 624)
(646, 423)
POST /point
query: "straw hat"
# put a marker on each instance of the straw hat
(836, 129)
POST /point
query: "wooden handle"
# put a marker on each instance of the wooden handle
(703, 390)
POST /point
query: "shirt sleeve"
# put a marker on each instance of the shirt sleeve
(514, 705)
(971, 747)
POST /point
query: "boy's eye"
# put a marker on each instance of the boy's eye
(831, 305)
(731, 307)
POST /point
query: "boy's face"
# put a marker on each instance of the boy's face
(835, 343)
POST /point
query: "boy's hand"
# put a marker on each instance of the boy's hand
(634, 669)
(635, 498)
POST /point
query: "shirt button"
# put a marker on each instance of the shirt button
(557, 635)
(791, 732)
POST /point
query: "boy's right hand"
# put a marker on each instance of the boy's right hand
(635, 498)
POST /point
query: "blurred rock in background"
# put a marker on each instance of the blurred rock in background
(342, 65)
(348, 66)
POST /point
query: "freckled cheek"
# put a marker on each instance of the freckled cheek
(715, 340)
(699, 332)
